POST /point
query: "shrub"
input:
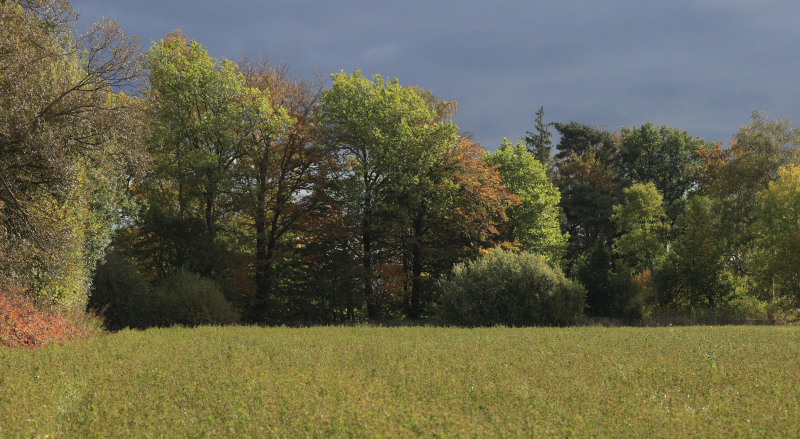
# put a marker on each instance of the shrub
(783, 310)
(509, 288)
(186, 298)
(121, 294)
(24, 323)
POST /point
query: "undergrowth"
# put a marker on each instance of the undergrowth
(24, 323)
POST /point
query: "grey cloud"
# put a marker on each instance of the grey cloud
(699, 65)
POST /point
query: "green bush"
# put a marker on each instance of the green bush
(509, 288)
(186, 298)
(121, 294)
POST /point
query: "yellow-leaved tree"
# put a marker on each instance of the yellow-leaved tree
(65, 135)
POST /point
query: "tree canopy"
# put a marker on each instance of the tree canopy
(67, 143)
(536, 222)
(273, 199)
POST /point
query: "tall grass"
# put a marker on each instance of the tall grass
(406, 382)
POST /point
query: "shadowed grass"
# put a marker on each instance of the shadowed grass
(404, 382)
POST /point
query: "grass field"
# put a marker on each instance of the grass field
(407, 382)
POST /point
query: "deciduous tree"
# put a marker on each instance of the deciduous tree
(205, 120)
(665, 156)
(778, 235)
(282, 171)
(536, 222)
(759, 150)
(65, 144)
(641, 224)
(451, 211)
(694, 275)
(382, 132)
(418, 193)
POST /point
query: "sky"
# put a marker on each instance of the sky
(702, 66)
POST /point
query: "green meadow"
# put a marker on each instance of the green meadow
(408, 382)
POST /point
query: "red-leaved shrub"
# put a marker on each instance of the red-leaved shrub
(23, 324)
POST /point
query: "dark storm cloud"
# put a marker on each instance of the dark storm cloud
(701, 65)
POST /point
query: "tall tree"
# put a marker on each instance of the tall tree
(281, 171)
(420, 196)
(759, 150)
(205, 117)
(536, 222)
(778, 236)
(540, 142)
(590, 183)
(665, 156)
(382, 132)
(64, 139)
(641, 224)
(590, 188)
(694, 276)
(450, 211)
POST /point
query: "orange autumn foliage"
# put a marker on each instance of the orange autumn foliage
(23, 324)
(483, 198)
(711, 161)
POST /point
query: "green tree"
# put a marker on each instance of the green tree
(589, 182)
(579, 139)
(420, 195)
(539, 143)
(447, 207)
(665, 156)
(208, 129)
(384, 135)
(778, 235)
(65, 146)
(694, 275)
(281, 173)
(641, 225)
(451, 210)
(205, 120)
(535, 223)
(414, 194)
(759, 150)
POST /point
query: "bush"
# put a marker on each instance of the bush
(186, 298)
(783, 310)
(121, 294)
(127, 300)
(509, 288)
(24, 323)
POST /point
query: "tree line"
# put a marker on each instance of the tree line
(165, 186)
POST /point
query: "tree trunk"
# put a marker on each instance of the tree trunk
(416, 281)
(181, 207)
(415, 310)
(351, 316)
(373, 307)
(211, 227)
(268, 262)
(261, 262)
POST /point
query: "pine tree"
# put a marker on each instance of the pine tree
(539, 143)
